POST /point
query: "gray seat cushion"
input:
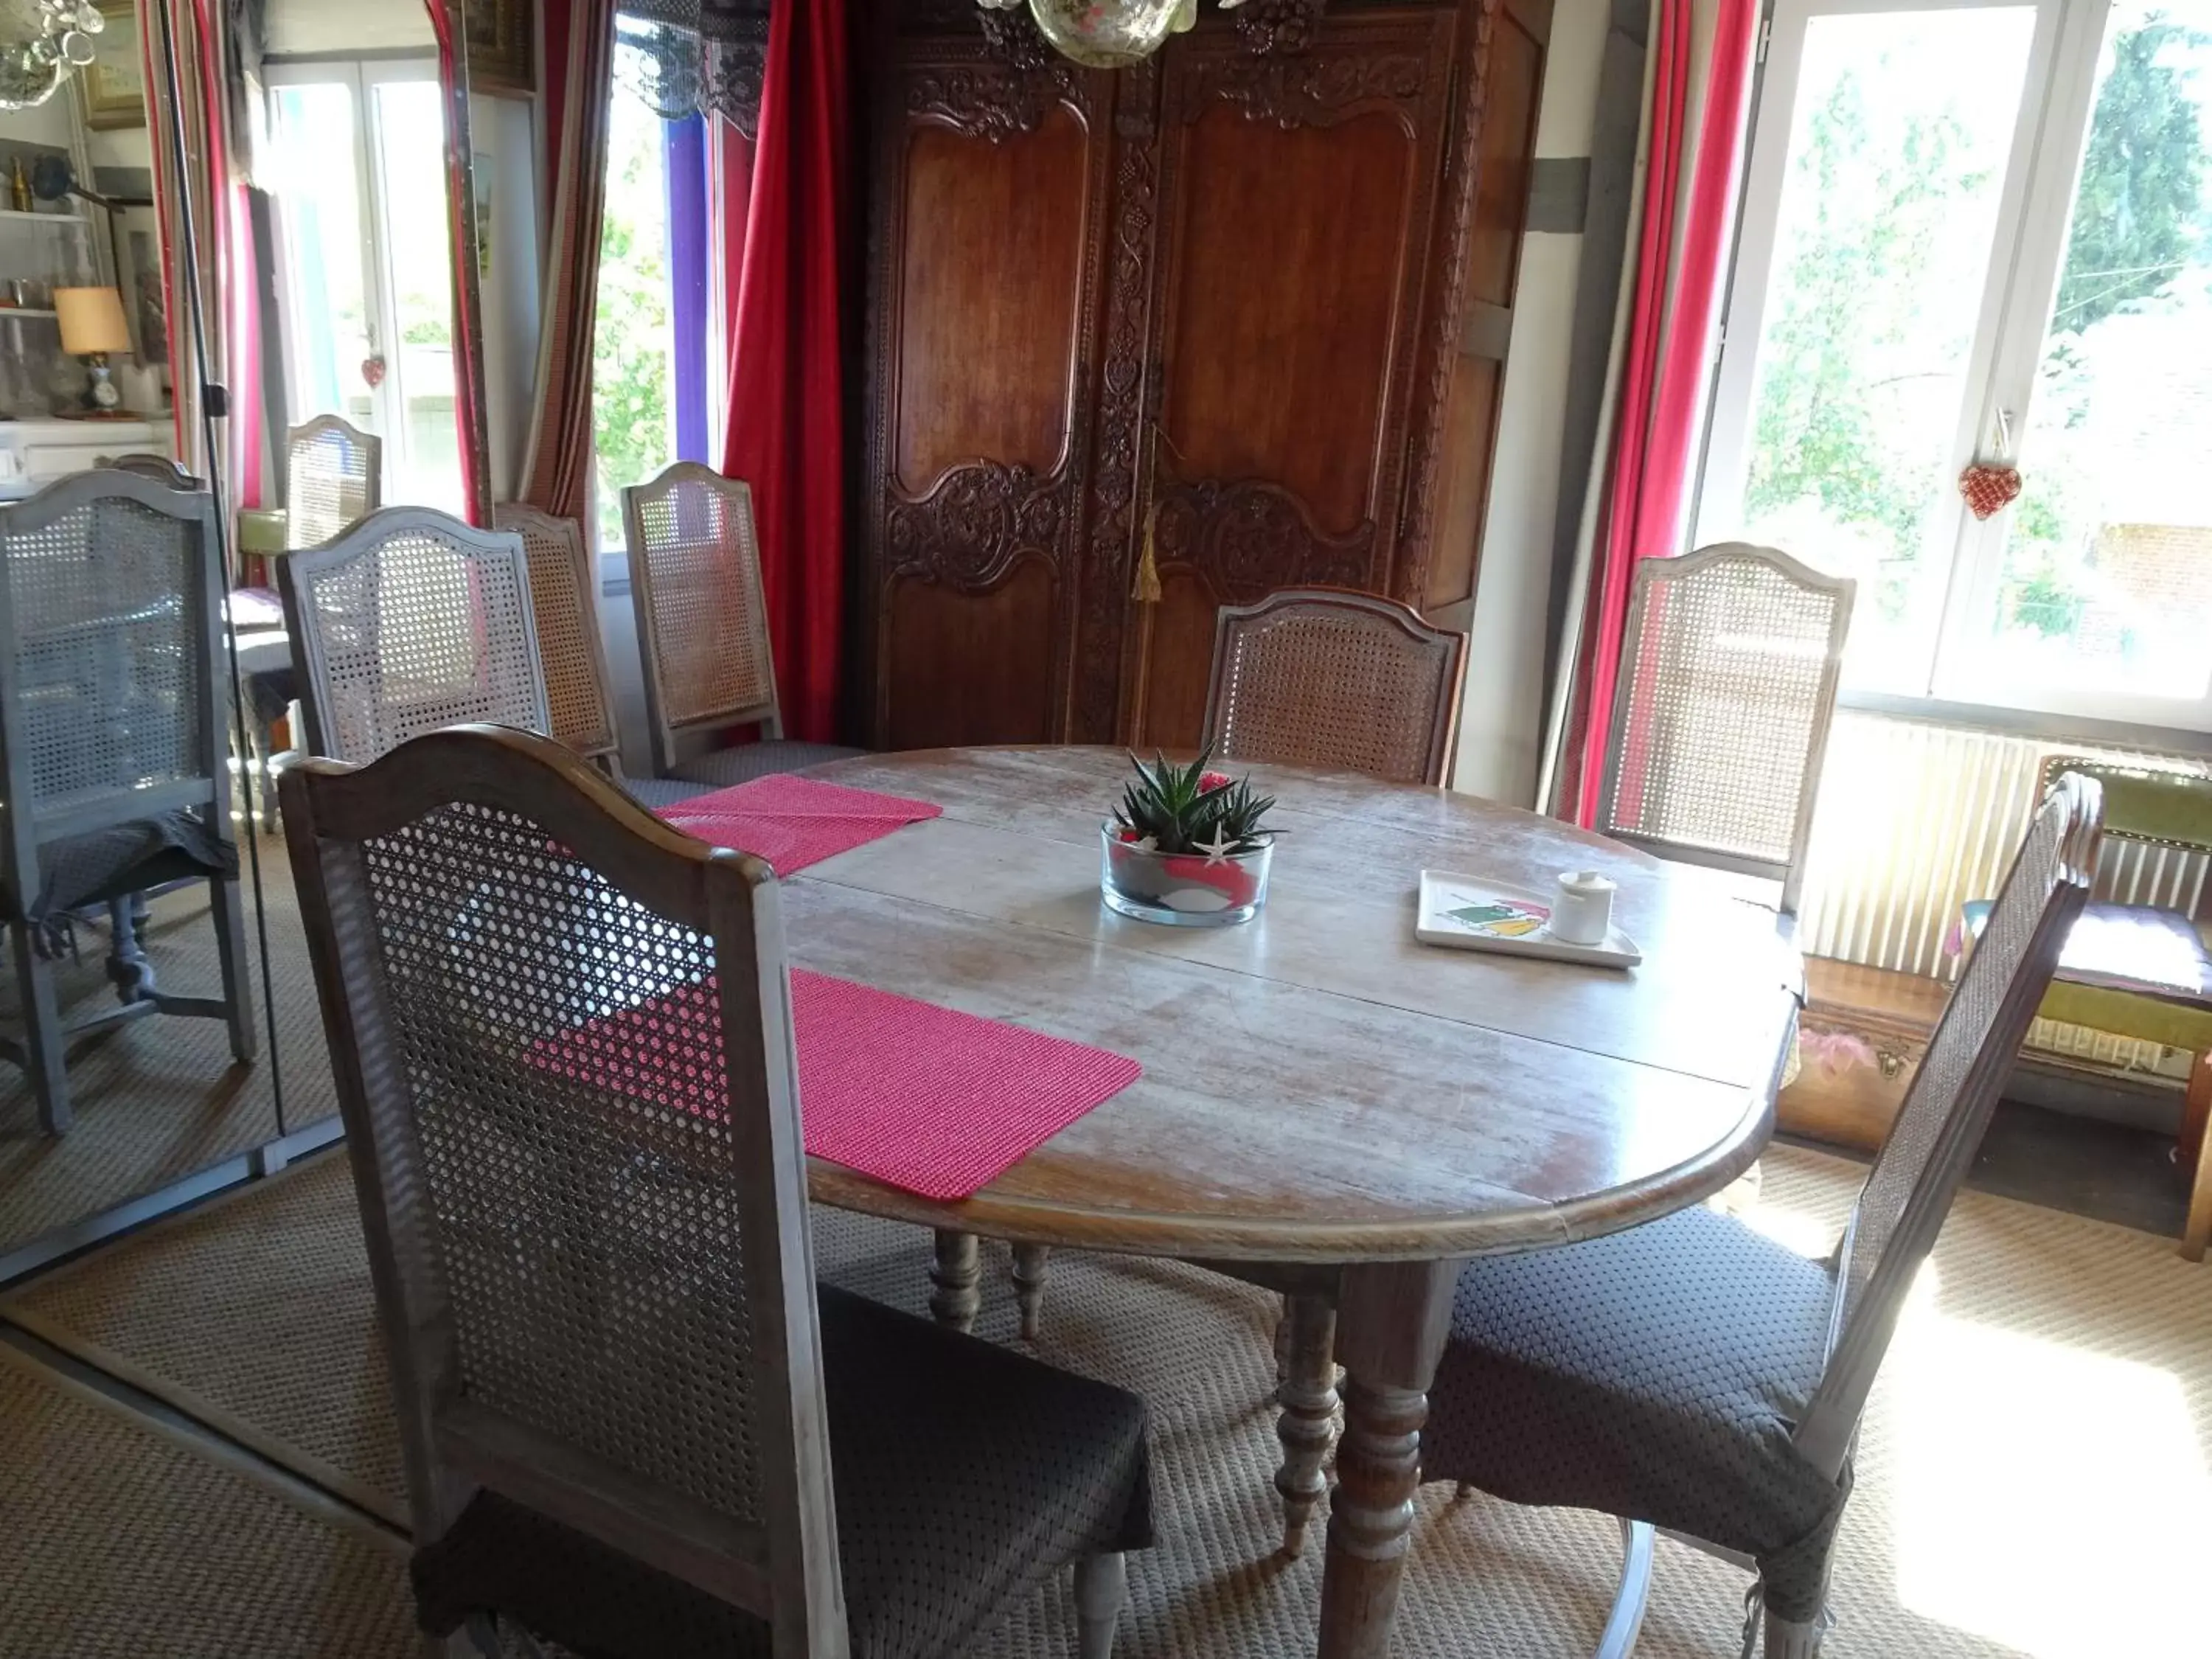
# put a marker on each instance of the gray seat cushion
(1657, 1375)
(720, 768)
(657, 792)
(964, 1473)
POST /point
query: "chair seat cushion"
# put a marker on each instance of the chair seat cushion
(124, 857)
(964, 1473)
(720, 768)
(1657, 1375)
(657, 792)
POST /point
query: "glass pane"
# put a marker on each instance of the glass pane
(1882, 242)
(317, 185)
(410, 137)
(633, 340)
(2106, 586)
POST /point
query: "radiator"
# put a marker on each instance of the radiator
(1916, 818)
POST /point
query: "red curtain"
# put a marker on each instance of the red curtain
(1693, 148)
(579, 51)
(785, 432)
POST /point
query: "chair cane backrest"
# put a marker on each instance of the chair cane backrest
(1937, 1131)
(333, 477)
(702, 618)
(1726, 691)
(110, 631)
(1320, 677)
(570, 651)
(561, 1037)
(159, 468)
(410, 621)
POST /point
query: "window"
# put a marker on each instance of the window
(1981, 232)
(358, 175)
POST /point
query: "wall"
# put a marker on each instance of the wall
(1500, 722)
(500, 130)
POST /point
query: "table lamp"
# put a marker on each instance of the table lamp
(92, 326)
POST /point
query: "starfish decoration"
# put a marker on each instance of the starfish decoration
(1218, 850)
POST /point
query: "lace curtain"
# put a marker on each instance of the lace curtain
(685, 56)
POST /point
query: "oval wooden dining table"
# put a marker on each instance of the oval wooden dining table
(1328, 1106)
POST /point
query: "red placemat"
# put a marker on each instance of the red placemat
(793, 822)
(924, 1098)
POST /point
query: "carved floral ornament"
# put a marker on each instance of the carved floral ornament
(1115, 34)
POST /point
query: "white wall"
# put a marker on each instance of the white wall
(505, 179)
(1500, 734)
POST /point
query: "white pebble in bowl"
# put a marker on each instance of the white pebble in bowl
(1195, 900)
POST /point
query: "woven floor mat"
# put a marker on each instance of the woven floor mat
(123, 1545)
(2039, 1436)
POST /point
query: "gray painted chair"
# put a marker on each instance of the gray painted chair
(159, 468)
(112, 740)
(333, 479)
(631, 1424)
(702, 631)
(1694, 1375)
(1728, 686)
(409, 621)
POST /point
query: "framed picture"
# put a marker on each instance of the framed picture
(113, 85)
(138, 275)
(498, 35)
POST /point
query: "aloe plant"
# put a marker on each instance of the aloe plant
(1191, 808)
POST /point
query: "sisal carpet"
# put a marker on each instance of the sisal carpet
(122, 1544)
(160, 1097)
(2037, 1443)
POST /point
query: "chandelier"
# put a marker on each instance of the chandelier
(1108, 33)
(40, 42)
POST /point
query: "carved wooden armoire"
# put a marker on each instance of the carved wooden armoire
(1244, 306)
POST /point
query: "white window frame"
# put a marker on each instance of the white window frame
(2029, 246)
(362, 76)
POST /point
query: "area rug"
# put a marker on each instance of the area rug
(2037, 1445)
(123, 1545)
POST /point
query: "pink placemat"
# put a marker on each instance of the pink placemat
(793, 822)
(920, 1098)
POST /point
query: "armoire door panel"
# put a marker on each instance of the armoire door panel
(1289, 248)
(1178, 662)
(971, 667)
(990, 286)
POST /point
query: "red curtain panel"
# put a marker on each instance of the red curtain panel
(785, 434)
(579, 39)
(468, 331)
(1689, 208)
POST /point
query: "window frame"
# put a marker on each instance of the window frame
(2029, 244)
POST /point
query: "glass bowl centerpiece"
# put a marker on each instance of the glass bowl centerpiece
(1185, 847)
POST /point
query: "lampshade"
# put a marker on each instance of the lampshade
(92, 320)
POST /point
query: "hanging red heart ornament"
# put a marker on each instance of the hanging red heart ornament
(1989, 489)
(372, 370)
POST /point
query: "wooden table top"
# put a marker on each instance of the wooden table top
(1318, 1086)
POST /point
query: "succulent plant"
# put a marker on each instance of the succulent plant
(1191, 808)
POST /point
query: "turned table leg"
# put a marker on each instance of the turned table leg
(958, 1274)
(1032, 1266)
(1391, 1321)
(1306, 1422)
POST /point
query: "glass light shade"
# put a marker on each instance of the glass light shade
(92, 320)
(1110, 33)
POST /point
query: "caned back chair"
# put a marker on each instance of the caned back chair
(583, 1190)
(333, 477)
(1726, 691)
(571, 654)
(407, 622)
(1693, 1375)
(702, 632)
(112, 739)
(159, 468)
(1323, 676)
(701, 618)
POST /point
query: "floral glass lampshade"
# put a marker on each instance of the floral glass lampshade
(1112, 33)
